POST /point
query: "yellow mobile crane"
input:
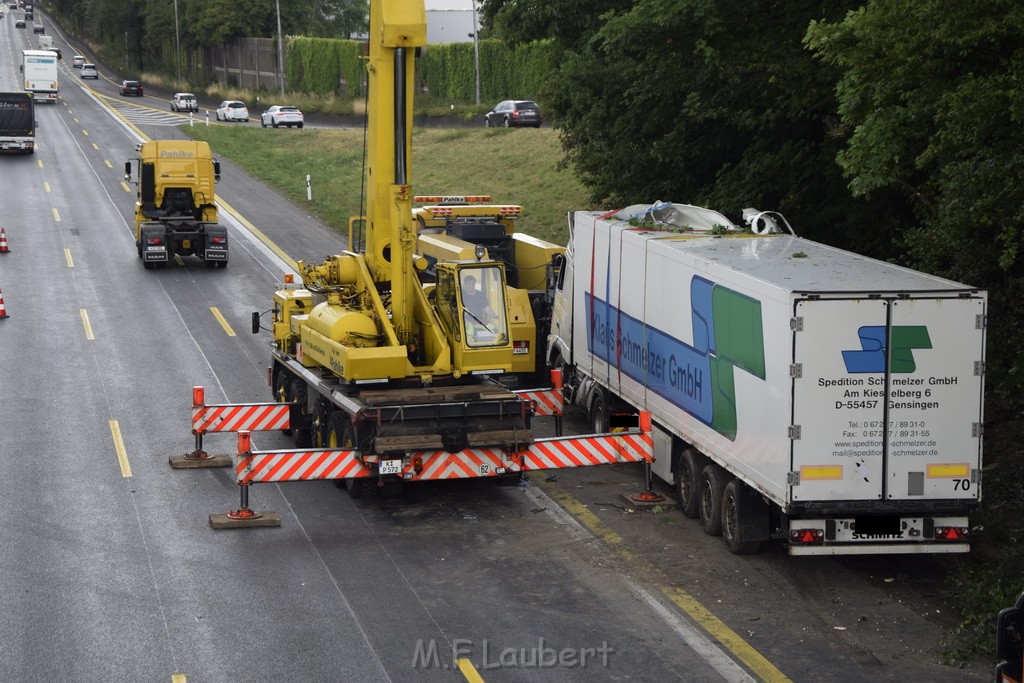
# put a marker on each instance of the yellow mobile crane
(370, 357)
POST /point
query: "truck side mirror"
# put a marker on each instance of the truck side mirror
(216, 171)
(255, 322)
(127, 171)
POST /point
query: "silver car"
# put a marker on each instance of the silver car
(184, 101)
(232, 110)
(89, 71)
(281, 115)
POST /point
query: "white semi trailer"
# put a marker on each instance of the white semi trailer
(39, 74)
(798, 391)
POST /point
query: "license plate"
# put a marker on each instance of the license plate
(390, 466)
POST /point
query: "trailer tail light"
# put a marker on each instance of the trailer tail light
(154, 240)
(218, 240)
(806, 536)
(951, 533)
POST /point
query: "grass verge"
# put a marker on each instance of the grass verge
(514, 166)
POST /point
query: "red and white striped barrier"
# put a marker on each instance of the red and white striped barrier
(546, 402)
(250, 417)
(256, 467)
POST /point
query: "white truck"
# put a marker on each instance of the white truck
(39, 74)
(798, 391)
(45, 42)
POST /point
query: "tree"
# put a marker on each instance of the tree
(569, 22)
(714, 103)
(944, 128)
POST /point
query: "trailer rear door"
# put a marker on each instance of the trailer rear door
(886, 399)
(935, 399)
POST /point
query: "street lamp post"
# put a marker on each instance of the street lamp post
(177, 39)
(476, 52)
(280, 49)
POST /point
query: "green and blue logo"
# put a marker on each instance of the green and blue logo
(699, 378)
(870, 357)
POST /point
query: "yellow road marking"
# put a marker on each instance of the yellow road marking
(85, 323)
(469, 671)
(222, 321)
(263, 238)
(85, 132)
(56, 216)
(178, 678)
(109, 165)
(75, 120)
(729, 639)
(39, 161)
(179, 260)
(47, 186)
(67, 257)
(122, 454)
(95, 146)
(125, 186)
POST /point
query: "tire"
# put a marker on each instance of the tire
(686, 479)
(261, 122)
(300, 125)
(599, 414)
(273, 124)
(732, 522)
(321, 416)
(341, 436)
(712, 485)
(302, 431)
(280, 392)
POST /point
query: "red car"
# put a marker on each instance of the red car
(131, 88)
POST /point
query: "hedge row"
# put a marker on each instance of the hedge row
(318, 65)
(448, 71)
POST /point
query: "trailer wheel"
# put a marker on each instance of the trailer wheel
(711, 488)
(599, 414)
(732, 522)
(686, 481)
(302, 432)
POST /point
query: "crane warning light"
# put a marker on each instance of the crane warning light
(289, 278)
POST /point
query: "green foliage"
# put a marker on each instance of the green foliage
(521, 72)
(316, 65)
(692, 101)
(944, 129)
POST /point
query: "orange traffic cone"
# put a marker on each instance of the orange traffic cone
(3, 242)
(3, 311)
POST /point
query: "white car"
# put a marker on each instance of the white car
(89, 71)
(281, 115)
(77, 61)
(232, 110)
(184, 101)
